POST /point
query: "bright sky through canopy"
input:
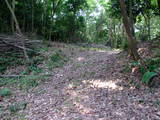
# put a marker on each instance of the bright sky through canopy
(98, 9)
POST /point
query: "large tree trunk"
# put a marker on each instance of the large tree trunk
(124, 42)
(131, 18)
(131, 39)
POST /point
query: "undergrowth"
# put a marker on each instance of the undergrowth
(56, 60)
(10, 59)
(149, 70)
(35, 68)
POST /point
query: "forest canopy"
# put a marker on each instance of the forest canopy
(82, 20)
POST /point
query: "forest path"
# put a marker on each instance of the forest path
(89, 87)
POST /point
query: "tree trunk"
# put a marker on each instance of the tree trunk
(55, 6)
(24, 23)
(131, 39)
(12, 19)
(17, 28)
(158, 2)
(124, 42)
(149, 26)
(131, 17)
(110, 33)
(32, 16)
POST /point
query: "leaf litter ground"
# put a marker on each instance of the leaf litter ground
(91, 86)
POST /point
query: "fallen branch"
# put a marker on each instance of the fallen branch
(3, 76)
(20, 47)
(12, 39)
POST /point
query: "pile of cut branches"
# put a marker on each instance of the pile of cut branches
(14, 42)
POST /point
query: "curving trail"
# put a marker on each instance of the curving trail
(90, 87)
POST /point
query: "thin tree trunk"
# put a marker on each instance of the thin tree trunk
(12, 20)
(14, 17)
(131, 39)
(43, 19)
(52, 17)
(149, 26)
(17, 28)
(115, 36)
(110, 33)
(32, 16)
(24, 18)
(24, 23)
(158, 2)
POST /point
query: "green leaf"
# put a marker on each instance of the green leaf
(5, 92)
(17, 107)
(154, 2)
(135, 63)
(147, 76)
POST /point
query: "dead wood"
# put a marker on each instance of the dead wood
(9, 76)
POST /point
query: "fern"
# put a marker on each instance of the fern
(147, 77)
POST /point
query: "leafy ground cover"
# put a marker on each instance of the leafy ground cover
(92, 84)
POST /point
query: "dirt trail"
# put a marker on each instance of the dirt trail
(90, 87)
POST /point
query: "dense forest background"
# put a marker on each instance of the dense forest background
(82, 20)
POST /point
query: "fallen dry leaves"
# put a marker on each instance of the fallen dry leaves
(91, 87)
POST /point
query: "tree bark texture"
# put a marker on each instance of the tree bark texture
(131, 39)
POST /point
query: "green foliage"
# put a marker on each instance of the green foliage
(56, 60)
(17, 107)
(5, 92)
(126, 69)
(56, 57)
(7, 81)
(151, 64)
(149, 70)
(31, 76)
(10, 59)
(24, 83)
(32, 69)
(28, 82)
(135, 64)
(81, 20)
(148, 76)
(157, 103)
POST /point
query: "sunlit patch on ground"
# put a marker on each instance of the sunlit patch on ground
(119, 112)
(80, 58)
(103, 84)
(102, 51)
